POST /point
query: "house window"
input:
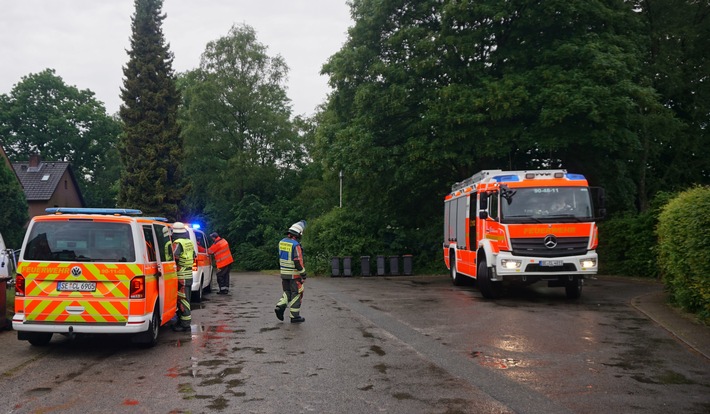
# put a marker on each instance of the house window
(45, 177)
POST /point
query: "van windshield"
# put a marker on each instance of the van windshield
(87, 241)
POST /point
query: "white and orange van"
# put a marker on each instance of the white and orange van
(94, 271)
(203, 269)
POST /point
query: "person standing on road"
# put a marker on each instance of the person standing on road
(293, 273)
(223, 257)
(184, 251)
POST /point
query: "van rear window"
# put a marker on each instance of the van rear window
(85, 241)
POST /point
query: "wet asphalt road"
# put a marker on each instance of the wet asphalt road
(391, 345)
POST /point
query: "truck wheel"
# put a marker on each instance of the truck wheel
(573, 288)
(39, 338)
(489, 289)
(456, 278)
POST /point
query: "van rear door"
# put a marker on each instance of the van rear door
(79, 271)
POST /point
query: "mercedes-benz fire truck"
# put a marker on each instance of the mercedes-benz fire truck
(522, 227)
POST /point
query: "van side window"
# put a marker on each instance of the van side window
(201, 243)
(149, 243)
(164, 245)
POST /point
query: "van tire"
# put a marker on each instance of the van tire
(489, 289)
(149, 338)
(196, 296)
(39, 338)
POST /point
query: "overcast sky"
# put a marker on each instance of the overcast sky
(85, 41)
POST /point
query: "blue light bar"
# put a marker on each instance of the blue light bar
(157, 219)
(575, 177)
(506, 178)
(82, 210)
(195, 226)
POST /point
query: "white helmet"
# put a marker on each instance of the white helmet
(179, 227)
(296, 229)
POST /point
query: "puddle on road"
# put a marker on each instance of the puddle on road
(494, 362)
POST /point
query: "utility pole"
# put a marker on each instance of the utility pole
(341, 188)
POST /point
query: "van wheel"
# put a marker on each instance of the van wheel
(39, 338)
(573, 288)
(489, 288)
(149, 338)
(197, 296)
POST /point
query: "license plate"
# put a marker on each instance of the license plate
(76, 286)
(551, 263)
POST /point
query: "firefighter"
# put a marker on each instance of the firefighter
(293, 273)
(220, 250)
(184, 252)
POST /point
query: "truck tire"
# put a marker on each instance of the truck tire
(456, 278)
(573, 288)
(39, 338)
(489, 289)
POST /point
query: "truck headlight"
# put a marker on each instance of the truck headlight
(586, 263)
(510, 264)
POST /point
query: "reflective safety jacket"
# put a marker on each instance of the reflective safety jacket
(220, 250)
(290, 259)
(186, 258)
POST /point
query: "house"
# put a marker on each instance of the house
(48, 184)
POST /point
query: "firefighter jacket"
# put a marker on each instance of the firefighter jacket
(220, 250)
(291, 259)
(184, 257)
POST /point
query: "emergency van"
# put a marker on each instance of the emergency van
(94, 271)
(203, 269)
(522, 227)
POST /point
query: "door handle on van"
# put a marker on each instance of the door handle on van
(158, 274)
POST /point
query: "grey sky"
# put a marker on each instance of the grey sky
(85, 41)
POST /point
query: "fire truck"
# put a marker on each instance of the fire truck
(522, 227)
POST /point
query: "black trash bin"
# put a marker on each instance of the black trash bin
(347, 266)
(380, 265)
(335, 267)
(365, 265)
(407, 264)
(394, 265)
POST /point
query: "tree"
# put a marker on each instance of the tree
(62, 123)
(13, 214)
(151, 146)
(236, 122)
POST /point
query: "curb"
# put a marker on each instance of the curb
(655, 306)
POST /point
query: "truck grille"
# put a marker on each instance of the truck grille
(566, 246)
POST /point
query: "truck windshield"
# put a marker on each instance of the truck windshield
(87, 241)
(546, 204)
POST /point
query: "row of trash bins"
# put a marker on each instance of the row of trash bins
(393, 269)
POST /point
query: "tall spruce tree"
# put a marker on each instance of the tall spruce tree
(151, 147)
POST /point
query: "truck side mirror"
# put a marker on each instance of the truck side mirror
(483, 201)
(599, 197)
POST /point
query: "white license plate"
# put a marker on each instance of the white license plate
(76, 286)
(551, 263)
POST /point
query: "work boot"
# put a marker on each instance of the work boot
(280, 313)
(298, 319)
(179, 328)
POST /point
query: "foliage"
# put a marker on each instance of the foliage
(678, 64)
(684, 250)
(151, 146)
(62, 123)
(628, 242)
(246, 155)
(13, 214)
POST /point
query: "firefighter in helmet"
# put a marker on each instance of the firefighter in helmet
(293, 273)
(184, 253)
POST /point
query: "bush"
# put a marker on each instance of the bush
(684, 250)
(627, 244)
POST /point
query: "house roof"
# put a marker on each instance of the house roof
(41, 180)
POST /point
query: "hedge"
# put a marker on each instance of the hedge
(684, 250)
